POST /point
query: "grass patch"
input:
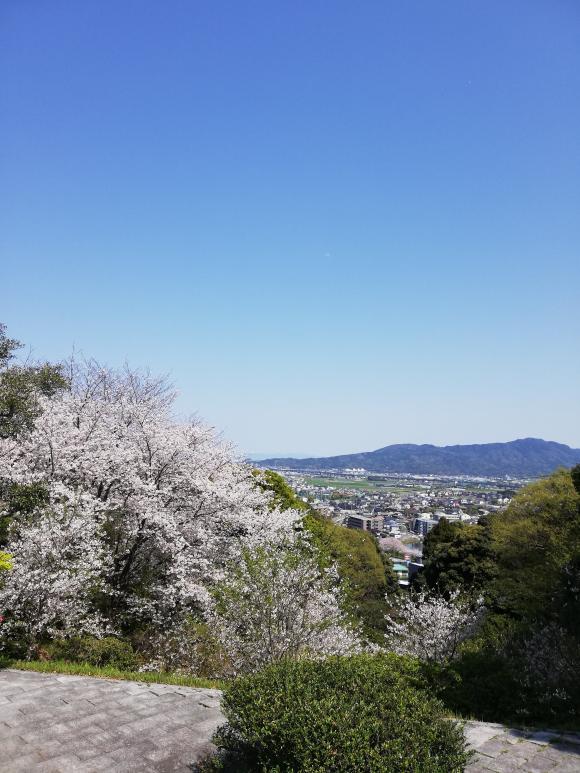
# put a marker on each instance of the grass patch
(108, 672)
(340, 483)
(384, 487)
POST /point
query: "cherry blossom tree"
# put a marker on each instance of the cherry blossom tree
(432, 627)
(144, 512)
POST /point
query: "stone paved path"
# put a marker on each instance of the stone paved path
(503, 750)
(73, 723)
(59, 723)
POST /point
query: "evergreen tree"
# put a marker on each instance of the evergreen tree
(537, 541)
(459, 557)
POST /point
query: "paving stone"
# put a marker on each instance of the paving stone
(505, 764)
(24, 762)
(66, 763)
(540, 764)
(523, 750)
(144, 747)
(86, 752)
(131, 766)
(494, 747)
(107, 739)
(569, 766)
(477, 733)
(478, 760)
(102, 762)
(48, 749)
(514, 736)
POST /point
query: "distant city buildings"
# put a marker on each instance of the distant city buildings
(400, 510)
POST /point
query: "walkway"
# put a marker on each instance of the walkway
(59, 723)
(504, 750)
(74, 723)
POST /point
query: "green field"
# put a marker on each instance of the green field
(358, 485)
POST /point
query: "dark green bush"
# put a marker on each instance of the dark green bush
(532, 677)
(108, 651)
(481, 684)
(355, 714)
(16, 645)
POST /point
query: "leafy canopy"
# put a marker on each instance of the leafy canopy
(536, 539)
(459, 557)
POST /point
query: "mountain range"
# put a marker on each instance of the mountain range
(528, 457)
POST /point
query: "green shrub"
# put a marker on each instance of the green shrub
(108, 651)
(15, 645)
(532, 676)
(481, 684)
(345, 714)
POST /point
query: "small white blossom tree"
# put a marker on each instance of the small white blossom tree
(431, 627)
(276, 604)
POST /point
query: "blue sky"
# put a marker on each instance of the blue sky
(335, 225)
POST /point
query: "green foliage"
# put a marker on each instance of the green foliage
(526, 560)
(284, 496)
(189, 648)
(535, 539)
(108, 651)
(367, 574)
(515, 675)
(361, 713)
(482, 684)
(20, 500)
(20, 386)
(7, 347)
(575, 473)
(524, 666)
(5, 561)
(17, 645)
(566, 602)
(460, 557)
(275, 604)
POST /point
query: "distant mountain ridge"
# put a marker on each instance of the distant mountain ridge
(528, 457)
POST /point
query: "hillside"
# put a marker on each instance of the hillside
(518, 458)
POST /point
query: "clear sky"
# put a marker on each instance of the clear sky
(336, 225)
